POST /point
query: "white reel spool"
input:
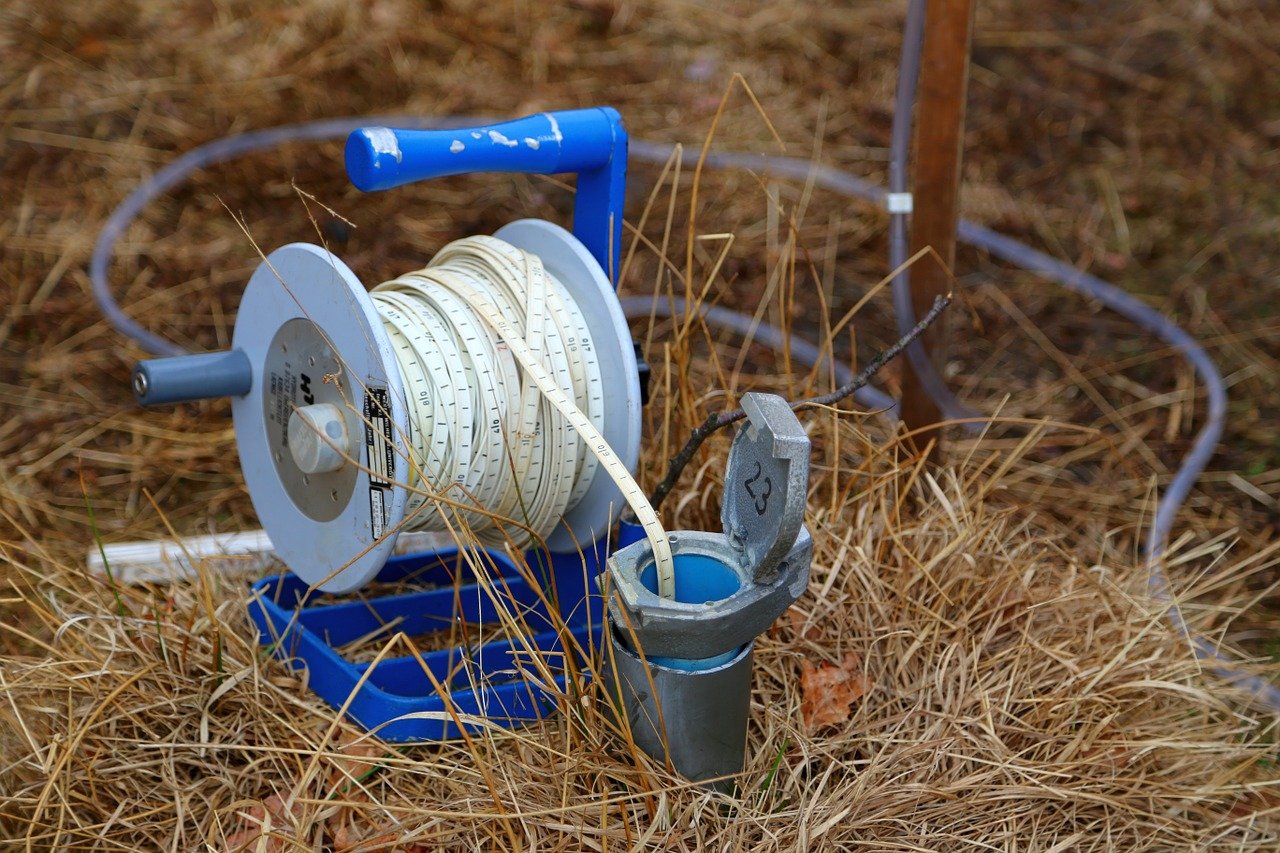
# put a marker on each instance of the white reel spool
(315, 340)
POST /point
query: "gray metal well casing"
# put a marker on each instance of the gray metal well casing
(710, 705)
(691, 714)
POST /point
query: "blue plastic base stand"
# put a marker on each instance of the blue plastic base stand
(551, 629)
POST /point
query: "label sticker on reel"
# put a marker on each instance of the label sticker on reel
(380, 456)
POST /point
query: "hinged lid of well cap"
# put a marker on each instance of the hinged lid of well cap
(766, 484)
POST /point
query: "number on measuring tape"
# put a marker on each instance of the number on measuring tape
(506, 397)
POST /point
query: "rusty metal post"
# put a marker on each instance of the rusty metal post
(940, 109)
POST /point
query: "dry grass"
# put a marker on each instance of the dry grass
(1021, 693)
(1016, 696)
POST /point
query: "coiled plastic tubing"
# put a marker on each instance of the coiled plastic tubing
(1260, 690)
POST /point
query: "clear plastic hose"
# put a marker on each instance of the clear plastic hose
(748, 327)
(175, 173)
(997, 245)
(1193, 464)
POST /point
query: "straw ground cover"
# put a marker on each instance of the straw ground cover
(977, 639)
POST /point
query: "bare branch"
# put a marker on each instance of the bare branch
(720, 420)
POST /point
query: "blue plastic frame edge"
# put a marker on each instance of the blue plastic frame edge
(398, 699)
(590, 142)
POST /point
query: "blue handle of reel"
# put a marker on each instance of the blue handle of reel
(591, 143)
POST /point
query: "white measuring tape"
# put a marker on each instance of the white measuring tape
(505, 396)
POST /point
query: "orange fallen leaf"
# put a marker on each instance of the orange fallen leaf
(256, 841)
(355, 758)
(91, 48)
(350, 837)
(1255, 803)
(829, 690)
(266, 826)
(801, 625)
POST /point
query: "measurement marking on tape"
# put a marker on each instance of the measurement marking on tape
(480, 309)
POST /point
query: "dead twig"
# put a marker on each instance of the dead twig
(719, 420)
